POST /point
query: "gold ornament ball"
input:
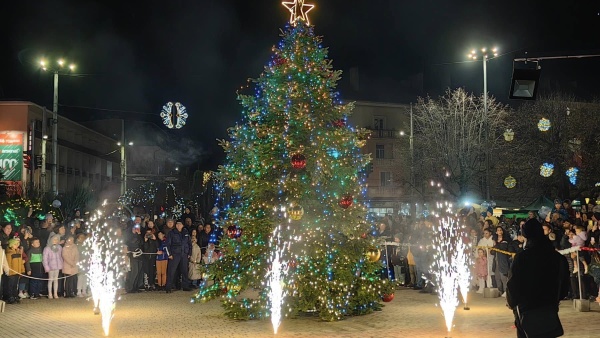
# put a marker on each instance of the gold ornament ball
(296, 212)
(234, 184)
(510, 182)
(373, 254)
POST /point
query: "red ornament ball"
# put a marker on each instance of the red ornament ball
(234, 231)
(346, 202)
(388, 298)
(298, 161)
(339, 123)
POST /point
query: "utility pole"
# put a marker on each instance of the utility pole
(123, 160)
(43, 164)
(487, 129)
(55, 136)
(412, 164)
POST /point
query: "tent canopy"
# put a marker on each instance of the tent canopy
(538, 203)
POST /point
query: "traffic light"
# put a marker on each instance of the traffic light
(27, 160)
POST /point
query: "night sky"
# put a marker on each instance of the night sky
(134, 56)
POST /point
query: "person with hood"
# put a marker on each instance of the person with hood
(14, 257)
(70, 255)
(535, 303)
(53, 263)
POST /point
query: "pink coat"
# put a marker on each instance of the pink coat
(481, 267)
(52, 260)
(70, 255)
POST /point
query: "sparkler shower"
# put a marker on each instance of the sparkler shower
(462, 263)
(104, 269)
(445, 243)
(275, 277)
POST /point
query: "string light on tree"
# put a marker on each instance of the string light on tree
(544, 124)
(510, 182)
(572, 174)
(546, 169)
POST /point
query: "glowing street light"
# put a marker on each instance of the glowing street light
(485, 55)
(57, 70)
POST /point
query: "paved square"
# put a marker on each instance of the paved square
(156, 314)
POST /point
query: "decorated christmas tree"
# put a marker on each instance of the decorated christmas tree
(296, 166)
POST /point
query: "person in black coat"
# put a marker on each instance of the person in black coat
(149, 259)
(538, 279)
(179, 247)
(135, 243)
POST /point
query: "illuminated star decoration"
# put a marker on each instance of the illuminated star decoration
(297, 8)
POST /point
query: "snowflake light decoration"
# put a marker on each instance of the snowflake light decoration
(510, 182)
(544, 124)
(174, 110)
(572, 174)
(547, 169)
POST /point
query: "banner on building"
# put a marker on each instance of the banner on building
(11, 155)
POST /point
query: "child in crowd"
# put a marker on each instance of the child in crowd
(14, 257)
(53, 263)
(578, 239)
(162, 257)
(210, 256)
(82, 283)
(35, 268)
(70, 256)
(194, 262)
(481, 268)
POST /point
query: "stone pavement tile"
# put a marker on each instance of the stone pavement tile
(155, 314)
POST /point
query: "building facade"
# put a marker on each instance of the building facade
(388, 180)
(84, 158)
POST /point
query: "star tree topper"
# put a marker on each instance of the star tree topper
(299, 11)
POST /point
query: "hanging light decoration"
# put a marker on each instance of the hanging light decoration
(544, 124)
(510, 182)
(174, 115)
(509, 135)
(547, 169)
(572, 174)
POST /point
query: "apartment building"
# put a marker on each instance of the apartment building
(84, 158)
(388, 180)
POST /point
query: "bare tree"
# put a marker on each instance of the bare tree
(451, 139)
(572, 140)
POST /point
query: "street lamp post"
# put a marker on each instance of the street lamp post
(59, 69)
(486, 55)
(123, 166)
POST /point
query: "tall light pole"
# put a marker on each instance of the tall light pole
(485, 55)
(58, 69)
(123, 166)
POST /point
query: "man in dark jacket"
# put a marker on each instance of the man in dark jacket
(135, 277)
(179, 246)
(539, 278)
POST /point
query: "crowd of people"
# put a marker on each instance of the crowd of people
(494, 241)
(46, 258)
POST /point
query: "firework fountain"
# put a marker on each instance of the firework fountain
(276, 276)
(104, 268)
(463, 263)
(445, 242)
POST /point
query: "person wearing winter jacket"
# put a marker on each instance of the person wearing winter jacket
(194, 263)
(14, 257)
(35, 268)
(70, 255)
(53, 263)
(150, 247)
(162, 257)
